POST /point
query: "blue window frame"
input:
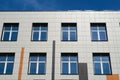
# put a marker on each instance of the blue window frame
(69, 32)
(39, 31)
(101, 63)
(69, 63)
(10, 32)
(6, 63)
(98, 32)
(37, 63)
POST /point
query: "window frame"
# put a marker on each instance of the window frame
(39, 25)
(37, 63)
(69, 63)
(98, 25)
(68, 25)
(11, 25)
(6, 62)
(102, 62)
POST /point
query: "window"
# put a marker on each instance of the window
(10, 32)
(37, 63)
(69, 63)
(6, 63)
(69, 32)
(101, 63)
(98, 32)
(39, 31)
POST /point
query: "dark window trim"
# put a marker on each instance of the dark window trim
(37, 23)
(8, 53)
(16, 23)
(102, 54)
(69, 54)
(71, 23)
(99, 23)
(37, 53)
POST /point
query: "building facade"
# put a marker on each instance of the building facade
(59, 45)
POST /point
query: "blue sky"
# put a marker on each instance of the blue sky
(59, 4)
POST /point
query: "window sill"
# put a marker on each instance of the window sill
(69, 40)
(99, 40)
(102, 74)
(36, 74)
(5, 74)
(38, 40)
(8, 40)
(69, 74)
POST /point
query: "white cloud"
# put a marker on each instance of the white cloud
(40, 4)
(28, 4)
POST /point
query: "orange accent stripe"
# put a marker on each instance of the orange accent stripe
(112, 77)
(21, 64)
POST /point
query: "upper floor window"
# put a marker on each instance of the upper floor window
(69, 32)
(10, 32)
(37, 63)
(98, 32)
(69, 63)
(6, 63)
(39, 31)
(101, 63)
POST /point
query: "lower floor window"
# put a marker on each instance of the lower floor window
(69, 63)
(37, 63)
(6, 63)
(101, 63)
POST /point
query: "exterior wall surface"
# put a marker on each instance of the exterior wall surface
(84, 46)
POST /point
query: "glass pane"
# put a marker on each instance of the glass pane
(9, 68)
(73, 58)
(44, 28)
(35, 35)
(73, 28)
(42, 58)
(2, 68)
(94, 36)
(7, 28)
(102, 28)
(96, 58)
(97, 68)
(74, 69)
(105, 58)
(6, 36)
(14, 28)
(93, 28)
(36, 28)
(41, 68)
(64, 68)
(102, 36)
(65, 36)
(33, 58)
(43, 36)
(72, 35)
(65, 58)
(2, 58)
(106, 68)
(33, 68)
(64, 28)
(10, 58)
(14, 36)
